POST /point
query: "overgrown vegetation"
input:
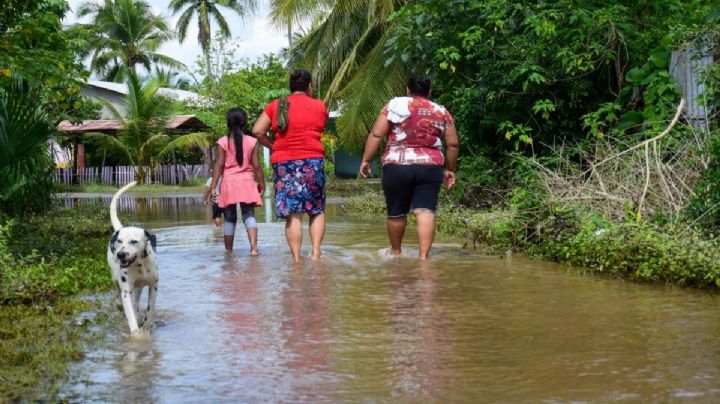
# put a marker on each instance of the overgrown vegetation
(46, 261)
(58, 253)
(574, 137)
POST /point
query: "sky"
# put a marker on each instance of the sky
(254, 36)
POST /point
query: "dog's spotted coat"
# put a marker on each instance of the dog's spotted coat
(132, 261)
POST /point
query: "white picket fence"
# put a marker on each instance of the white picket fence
(166, 174)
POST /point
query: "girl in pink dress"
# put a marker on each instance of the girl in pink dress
(238, 163)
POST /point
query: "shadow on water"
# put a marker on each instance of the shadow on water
(355, 326)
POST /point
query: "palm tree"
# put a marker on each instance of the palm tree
(126, 33)
(169, 78)
(204, 10)
(24, 153)
(345, 50)
(144, 139)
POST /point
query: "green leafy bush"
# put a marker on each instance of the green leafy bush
(366, 203)
(635, 250)
(36, 266)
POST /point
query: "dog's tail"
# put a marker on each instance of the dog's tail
(113, 206)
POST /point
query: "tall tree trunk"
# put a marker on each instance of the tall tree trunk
(289, 35)
(208, 62)
(75, 169)
(140, 174)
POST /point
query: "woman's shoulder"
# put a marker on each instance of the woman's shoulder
(401, 99)
(438, 107)
(271, 106)
(317, 103)
(223, 141)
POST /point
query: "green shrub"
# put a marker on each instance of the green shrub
(59, 253)
(365, 203)
(640, 251)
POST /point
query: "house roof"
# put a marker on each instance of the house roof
(178, 123)
(170, 93)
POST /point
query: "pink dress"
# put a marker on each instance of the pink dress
(238, 185)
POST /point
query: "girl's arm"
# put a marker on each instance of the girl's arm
(206, 193)
(217, 171)
(259, 174)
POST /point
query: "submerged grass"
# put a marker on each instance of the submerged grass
(37, 344)
(45, 262)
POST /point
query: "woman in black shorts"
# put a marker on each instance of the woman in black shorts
(420, 155)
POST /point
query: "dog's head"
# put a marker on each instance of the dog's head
(130, 243)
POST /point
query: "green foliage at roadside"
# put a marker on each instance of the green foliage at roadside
(124, 33)
(24, 155)
(517, 75)
(336, 187)
(40, 79)
(640, 251)
(46, 260)
(369, 202)
(59, 253)
(35, 48)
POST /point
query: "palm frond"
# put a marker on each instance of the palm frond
(24, 126)
(113, 144)
(184, 22)
(366, 94)
(200, 140)
(220, 20)
(166, 61)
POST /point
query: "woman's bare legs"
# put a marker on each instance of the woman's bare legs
(229, 240)
(425, 220)
(317, 233)
(396, 231)
(293, 233)
(252, 238)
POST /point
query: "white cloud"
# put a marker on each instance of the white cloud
(254, 34)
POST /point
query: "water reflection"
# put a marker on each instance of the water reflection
(420, 328)
(137, 370)
(305, 319)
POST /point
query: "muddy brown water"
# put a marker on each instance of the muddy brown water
(358, 327)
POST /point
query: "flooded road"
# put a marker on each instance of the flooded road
(356, 327)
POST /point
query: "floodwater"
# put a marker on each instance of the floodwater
(357, 327)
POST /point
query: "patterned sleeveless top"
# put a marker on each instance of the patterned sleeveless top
(417, 127)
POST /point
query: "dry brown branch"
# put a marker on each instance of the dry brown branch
(647, 180)
(667, 130)
(657, 180)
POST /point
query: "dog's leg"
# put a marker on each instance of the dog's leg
(152, 295)
(126, 295)
(137, 294)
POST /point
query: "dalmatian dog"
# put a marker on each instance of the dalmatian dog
(131, 257)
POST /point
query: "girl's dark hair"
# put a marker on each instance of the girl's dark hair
(237, 122)
(419, 85)
(300, 80)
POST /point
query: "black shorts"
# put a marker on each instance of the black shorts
(216, 211)
(411, 187)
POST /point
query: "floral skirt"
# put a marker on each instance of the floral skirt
(299, 187)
